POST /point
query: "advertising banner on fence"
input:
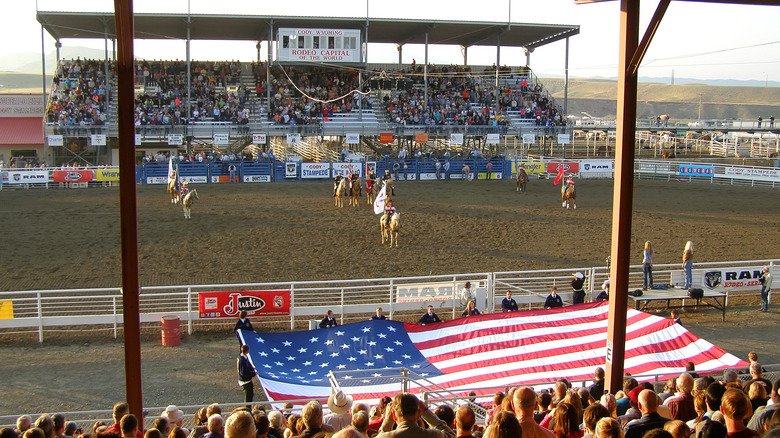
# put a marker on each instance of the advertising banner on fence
(347, 168)
(529, 138)
(568, 167)
(257, 178)
(98, 140)
(200, 179)
(492, 139)
(175, 139)
(596, 166)
(353, 138)
(291, 169)
(259, 139)
(231, 303)
(385, 137)
(293, 139)
(564, 138)
(28, 177)
(694, 170)
(763, 174)
(443, 291)
(315, 170)
(456, 138)
(421, 137)
(69, 176)
(535, 167)
(222, 139)
(733, 279)
(107, 174)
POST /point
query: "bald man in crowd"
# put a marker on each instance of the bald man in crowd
(524, 403)
(681, 404)
(651, 419)
(240, 425)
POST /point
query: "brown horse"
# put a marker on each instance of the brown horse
(522, 179)
(173, 189)
(390, 231)
(372, 188)
(186, 203)
(568, 194)
(354, 191)
(341, 191)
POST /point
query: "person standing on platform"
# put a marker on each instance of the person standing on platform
(466, 295)
(243, 323)
(329, 320)
(378, 315)
(553, 300)
(604, 294)
(429, 317)
(647, 266)
(577, 284)
(246, 372)
(687, 264)
(508, 304)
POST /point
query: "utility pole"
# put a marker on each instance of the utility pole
(700, 97)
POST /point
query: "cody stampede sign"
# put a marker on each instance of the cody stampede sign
(232, 303)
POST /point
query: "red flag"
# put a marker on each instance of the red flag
(559, 177)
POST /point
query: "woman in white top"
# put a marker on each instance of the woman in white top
(647, 266)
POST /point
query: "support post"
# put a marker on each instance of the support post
(623, 195)
(425, 72)
(566, 83)
(190, 126)
(128, 218)
(498, 66)
(43, 66)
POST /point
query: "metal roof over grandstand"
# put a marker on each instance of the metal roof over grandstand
(62, 25)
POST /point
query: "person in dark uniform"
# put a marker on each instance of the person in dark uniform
(553, 300)
(429, 317)
(246, 372)
(508, 304)
(329, 320)
(243, 323)
(577, 283)
(378, 314)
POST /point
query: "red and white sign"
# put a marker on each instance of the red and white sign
(385, 137)
(568, 167)
(232, 303)
(69, 176)
(259, 139)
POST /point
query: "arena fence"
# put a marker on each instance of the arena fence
(415, 169)
(403, 298)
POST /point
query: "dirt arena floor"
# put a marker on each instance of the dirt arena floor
(68, 238)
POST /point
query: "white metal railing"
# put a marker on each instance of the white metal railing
(81, 310)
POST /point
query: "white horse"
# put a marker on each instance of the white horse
(186, 203)
(390, 231)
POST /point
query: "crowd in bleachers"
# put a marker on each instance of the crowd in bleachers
(680, 408)
(320, 93)
(79, 94)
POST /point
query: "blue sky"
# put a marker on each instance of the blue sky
(695, 40)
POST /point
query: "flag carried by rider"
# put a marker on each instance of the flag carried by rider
(379, 202)
(559, 177)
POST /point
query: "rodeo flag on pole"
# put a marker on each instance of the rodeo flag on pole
(379, 202)
(559, 177)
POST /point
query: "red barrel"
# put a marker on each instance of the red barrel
(170, 331)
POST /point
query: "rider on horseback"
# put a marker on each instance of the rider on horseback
(570, 182)
(386, 177)
(389, 211)
(336, 182)
(184, 189)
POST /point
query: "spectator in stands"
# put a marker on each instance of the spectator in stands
(690, 368)
(623, 404)
(129, 426)
(669, 389)
(596, 390)
(72, 429)
(608, 428)
(153, 433)
(360, 424)
(429, 317)
(34, 432)
(761, 418)
(162, 425)
(678, 429)
(59, 425)
(381, 410)
(276, 420)
(735, 407)
(610, 402)
(262, 426)
(406, 410)
(23, 423)
(340, 405)
(46, 424)
(566, 422)
(240, 425)
(216, 427)
(523, 403)
(505, 425)
(681, 404)
(200, 419)
(648, 405)
(508, 304)
(7, 432)
(712, 429)
(731, 379)
(544, 400)
(591, 416)
(328, 321)
(466, 294)
(311, 415)
(378, 315)
(465, 421)
(633, 413)
(712, 397)
(471, 309)
(553, 300)
(756, 372)
(445, 414)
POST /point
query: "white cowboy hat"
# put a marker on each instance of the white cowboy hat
(173, 414)
(578, 275)
(605, 285)
(339, 402)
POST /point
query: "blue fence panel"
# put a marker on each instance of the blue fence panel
(139, 174)
(155, 169)
(279, 171)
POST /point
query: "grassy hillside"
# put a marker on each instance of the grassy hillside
(598, 98)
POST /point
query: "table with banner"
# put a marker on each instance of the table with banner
(711, 298)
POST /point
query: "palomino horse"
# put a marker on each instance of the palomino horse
(341, 191)
(389, 188)
(372, 188)
(522, 179)
(173, 188)
(390, 231)
(568, 194)
(354, 191)
(186, 203)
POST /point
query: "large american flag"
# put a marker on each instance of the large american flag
(489, 350)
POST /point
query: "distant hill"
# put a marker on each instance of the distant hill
(29, 62)
(598, 97)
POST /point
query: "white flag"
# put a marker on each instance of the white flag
(379, 202)
(170, 169)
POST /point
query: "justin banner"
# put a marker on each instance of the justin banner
(231, 303)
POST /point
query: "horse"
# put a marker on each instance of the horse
(390, 231)
(354, 191)
(173, 188)
(389, 188)
(568, 194)
(372, 188)
(186, 203)
(522, 179)
(341, 191)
